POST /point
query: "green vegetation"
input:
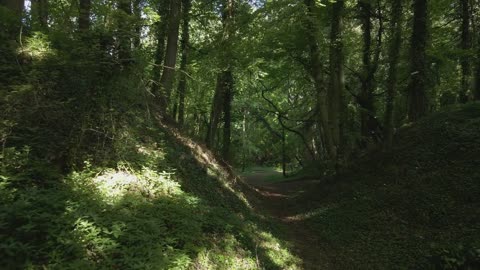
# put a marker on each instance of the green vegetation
(154, 210)
(407, 208)
(239, 134)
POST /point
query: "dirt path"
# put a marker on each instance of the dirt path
(279, 200)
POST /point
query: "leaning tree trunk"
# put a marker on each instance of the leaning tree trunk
(166, 82)
(417, 88)
(393, 58)
(465, 46)
(182, 85)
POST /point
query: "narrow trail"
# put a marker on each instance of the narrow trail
(278, 199)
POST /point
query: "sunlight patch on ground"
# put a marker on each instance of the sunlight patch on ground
(310, 214)
(277, 251)
(113, 185)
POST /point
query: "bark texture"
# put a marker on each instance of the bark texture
(393, 58)
(417, 88)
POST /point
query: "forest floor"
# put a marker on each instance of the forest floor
(414, 207)
(277, 199)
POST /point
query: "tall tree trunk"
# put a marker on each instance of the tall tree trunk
(244, 140)
(138, 23)
(475, 25)
(215, 112)
(465, 46)
(224, 90)
(417, 88)
(284, 154)
(166, 82)
(393, 58)
(337, 83)
(227, 117)
(161, 35)
(228, 24)
(182, 85)
(316, 71)
(84, 15)
(476, 91)
(124, 33)
(366, 94)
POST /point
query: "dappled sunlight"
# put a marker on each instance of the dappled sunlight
(115, 184)
(239, 135)
(277, 251)
(214, 166)
(226, 251)
(309, 214)
(37, 47)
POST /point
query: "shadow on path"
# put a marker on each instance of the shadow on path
(278, 199)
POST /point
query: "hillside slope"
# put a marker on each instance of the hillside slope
(412, 208)
(159, 205)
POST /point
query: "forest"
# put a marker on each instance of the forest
(240, 134)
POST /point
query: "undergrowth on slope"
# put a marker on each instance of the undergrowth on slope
(154, 207)
(416, 207)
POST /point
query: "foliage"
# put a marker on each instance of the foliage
(89, 179)
(135, 215)
(395, 210)
(460, 257)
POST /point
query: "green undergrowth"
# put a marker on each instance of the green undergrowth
(415, 207)
(154, 206)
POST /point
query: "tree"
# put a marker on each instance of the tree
(417, 88)
(369, 125)
(166, 81)
(228, 21)
(161, 35)
(393, 58)
(316, 72)
(182, 85)
(84, 15)
(124, 32)
(224, 90)
(137, 12)
(336, 104)
(476, 90)
(477, 74)
(465, 46)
